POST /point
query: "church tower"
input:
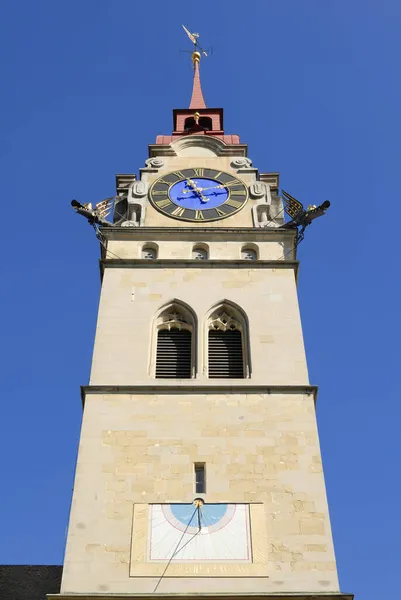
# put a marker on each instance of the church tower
(199, 470)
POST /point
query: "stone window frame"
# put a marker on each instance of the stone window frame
(253, 247)
(200, 246)
(233, 314)
(151, 246)
(167, 317)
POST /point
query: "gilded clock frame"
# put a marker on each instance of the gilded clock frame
(179, 213)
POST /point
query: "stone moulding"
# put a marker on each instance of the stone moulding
(214, 144)
(192, 233)
(178, 388)
(194, 263)
(200, 596)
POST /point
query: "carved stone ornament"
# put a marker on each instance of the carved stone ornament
(174, 320)
(156, 163)
(241, 163)
(258, 189)
(139, 189)
(130, 224)
(224, 323)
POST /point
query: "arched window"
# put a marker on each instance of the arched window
(189, 123)
(175, 344)
(149, 251)
(228, 347)
(249, 253)
(200, 252)
(206, 123)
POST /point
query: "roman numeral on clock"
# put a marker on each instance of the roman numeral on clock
(199, 215)
(163, 203)
(198, 172)
(220, 212)
(232, 182)
(159, 192)
(178, 212)
(233, 203)
(179, 175)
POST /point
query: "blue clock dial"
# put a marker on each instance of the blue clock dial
(198, 194)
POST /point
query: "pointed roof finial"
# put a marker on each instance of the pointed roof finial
(197, 99)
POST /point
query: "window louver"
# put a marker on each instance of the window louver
(173, 358)
(225, 355)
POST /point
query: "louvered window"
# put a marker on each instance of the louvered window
(173, 359)
(225, 354)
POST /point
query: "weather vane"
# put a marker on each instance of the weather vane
(301, 217)
(95, 216)
(194, 37)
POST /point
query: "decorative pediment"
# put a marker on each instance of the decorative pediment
(210, 145)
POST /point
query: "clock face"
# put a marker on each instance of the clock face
(198, 194)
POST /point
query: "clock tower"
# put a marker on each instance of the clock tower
(199, 470)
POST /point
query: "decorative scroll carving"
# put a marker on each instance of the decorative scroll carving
(224, 322)
(156, 162)
(139, 189)
(258, 189)
(241, 163)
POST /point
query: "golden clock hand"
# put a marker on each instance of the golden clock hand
(212, 187)
(195, 189)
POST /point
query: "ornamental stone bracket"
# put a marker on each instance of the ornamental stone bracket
(137, 201)
(130, 211)
(153, 164)
(267, 211)
(243, 165)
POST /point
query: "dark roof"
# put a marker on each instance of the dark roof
(29, 582)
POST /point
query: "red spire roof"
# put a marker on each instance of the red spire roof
(197, 100)
(198, 119)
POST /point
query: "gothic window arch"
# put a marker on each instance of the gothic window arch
(250, 252)
(174, 342)
(228, 351)
(200, 252)
(150, 251)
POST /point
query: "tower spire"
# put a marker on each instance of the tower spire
(197, 99)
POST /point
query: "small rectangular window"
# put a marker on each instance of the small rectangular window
(200, 478)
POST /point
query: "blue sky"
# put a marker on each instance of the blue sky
(314, 88)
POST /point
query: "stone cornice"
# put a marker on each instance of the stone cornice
(161, 263)
(177, 387)
(207, 596)
(193, 233)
